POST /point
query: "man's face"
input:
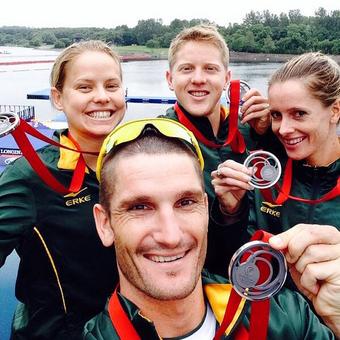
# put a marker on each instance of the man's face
(158, 223)
(198, 78)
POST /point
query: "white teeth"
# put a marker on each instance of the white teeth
(198, 93)
(100, 114)
(162, 259)
(293, 141)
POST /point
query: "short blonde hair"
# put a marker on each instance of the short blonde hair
(199, 33)
(58, 73)
(320, 73)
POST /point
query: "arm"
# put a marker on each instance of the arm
(17, 210)
(313, 255)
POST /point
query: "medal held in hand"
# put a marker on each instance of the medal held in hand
(266, 169)
(244, 88)
(257, 271)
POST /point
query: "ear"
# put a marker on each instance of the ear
(227, 80)
(335, 109)
(56, 98)
(103, 225)
(169, 80)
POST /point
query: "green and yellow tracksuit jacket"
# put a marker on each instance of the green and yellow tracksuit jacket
(307, 182)
(290, 316)
(224, 236)
(65, 274)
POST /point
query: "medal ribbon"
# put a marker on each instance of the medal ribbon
(260, 310)
(284, 191)
(235, 138)
(39, 167)
(120, 321)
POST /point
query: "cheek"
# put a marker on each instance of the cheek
(275, 127)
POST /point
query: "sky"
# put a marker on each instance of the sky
(111, 13)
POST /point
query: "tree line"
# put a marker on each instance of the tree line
(259, 32)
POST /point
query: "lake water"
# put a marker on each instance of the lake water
(141, 78)
(144, 78)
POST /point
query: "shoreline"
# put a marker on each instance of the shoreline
(247, 57)
(161, 54)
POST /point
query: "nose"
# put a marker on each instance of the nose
(101, 95)
(168, 231)
(286, 126)
(198, 77)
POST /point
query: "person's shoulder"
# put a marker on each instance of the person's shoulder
(290, 311)
(210, 278)
(170, 114)
(99, 327)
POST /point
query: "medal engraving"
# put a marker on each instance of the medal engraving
(266, 169)
(257, 271)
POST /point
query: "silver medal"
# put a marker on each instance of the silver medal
(266, 169)
(8, 122)
(245, 270)
(244, 88)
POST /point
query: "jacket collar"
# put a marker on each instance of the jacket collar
(217, 291)
(67, 159)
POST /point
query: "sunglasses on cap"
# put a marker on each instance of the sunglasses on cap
(133, 129)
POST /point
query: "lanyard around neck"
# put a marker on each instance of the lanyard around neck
(235, 138)
(285, 189)
(19, 134)
(121, 323)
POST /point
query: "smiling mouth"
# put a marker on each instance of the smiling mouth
(293, 141)
(100, 114)
(166, 259)
(199, 93)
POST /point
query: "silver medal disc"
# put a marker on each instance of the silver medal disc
(8, 122)
(257, 271)
(266, 169)
(244, 88)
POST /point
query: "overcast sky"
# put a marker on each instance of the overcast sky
(111, 13)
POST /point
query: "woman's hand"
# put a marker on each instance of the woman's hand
(255, 111)
(231, 181)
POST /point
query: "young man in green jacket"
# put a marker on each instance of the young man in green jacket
(199, 74)
(154, 209)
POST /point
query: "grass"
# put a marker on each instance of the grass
(134, 49)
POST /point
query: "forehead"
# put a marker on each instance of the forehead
(289, 93)
(198, 51)
(92, 62)
(157, 175)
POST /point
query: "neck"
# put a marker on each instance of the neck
(86, 143)
(215, 119)
(172, 318)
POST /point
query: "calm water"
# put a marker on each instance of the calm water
(140, 78)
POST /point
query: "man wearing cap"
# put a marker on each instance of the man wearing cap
(153, 208)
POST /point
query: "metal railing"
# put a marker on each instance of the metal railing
(25, 112)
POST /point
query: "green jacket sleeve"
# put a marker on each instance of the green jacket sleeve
(17, 209)
(292, 318)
